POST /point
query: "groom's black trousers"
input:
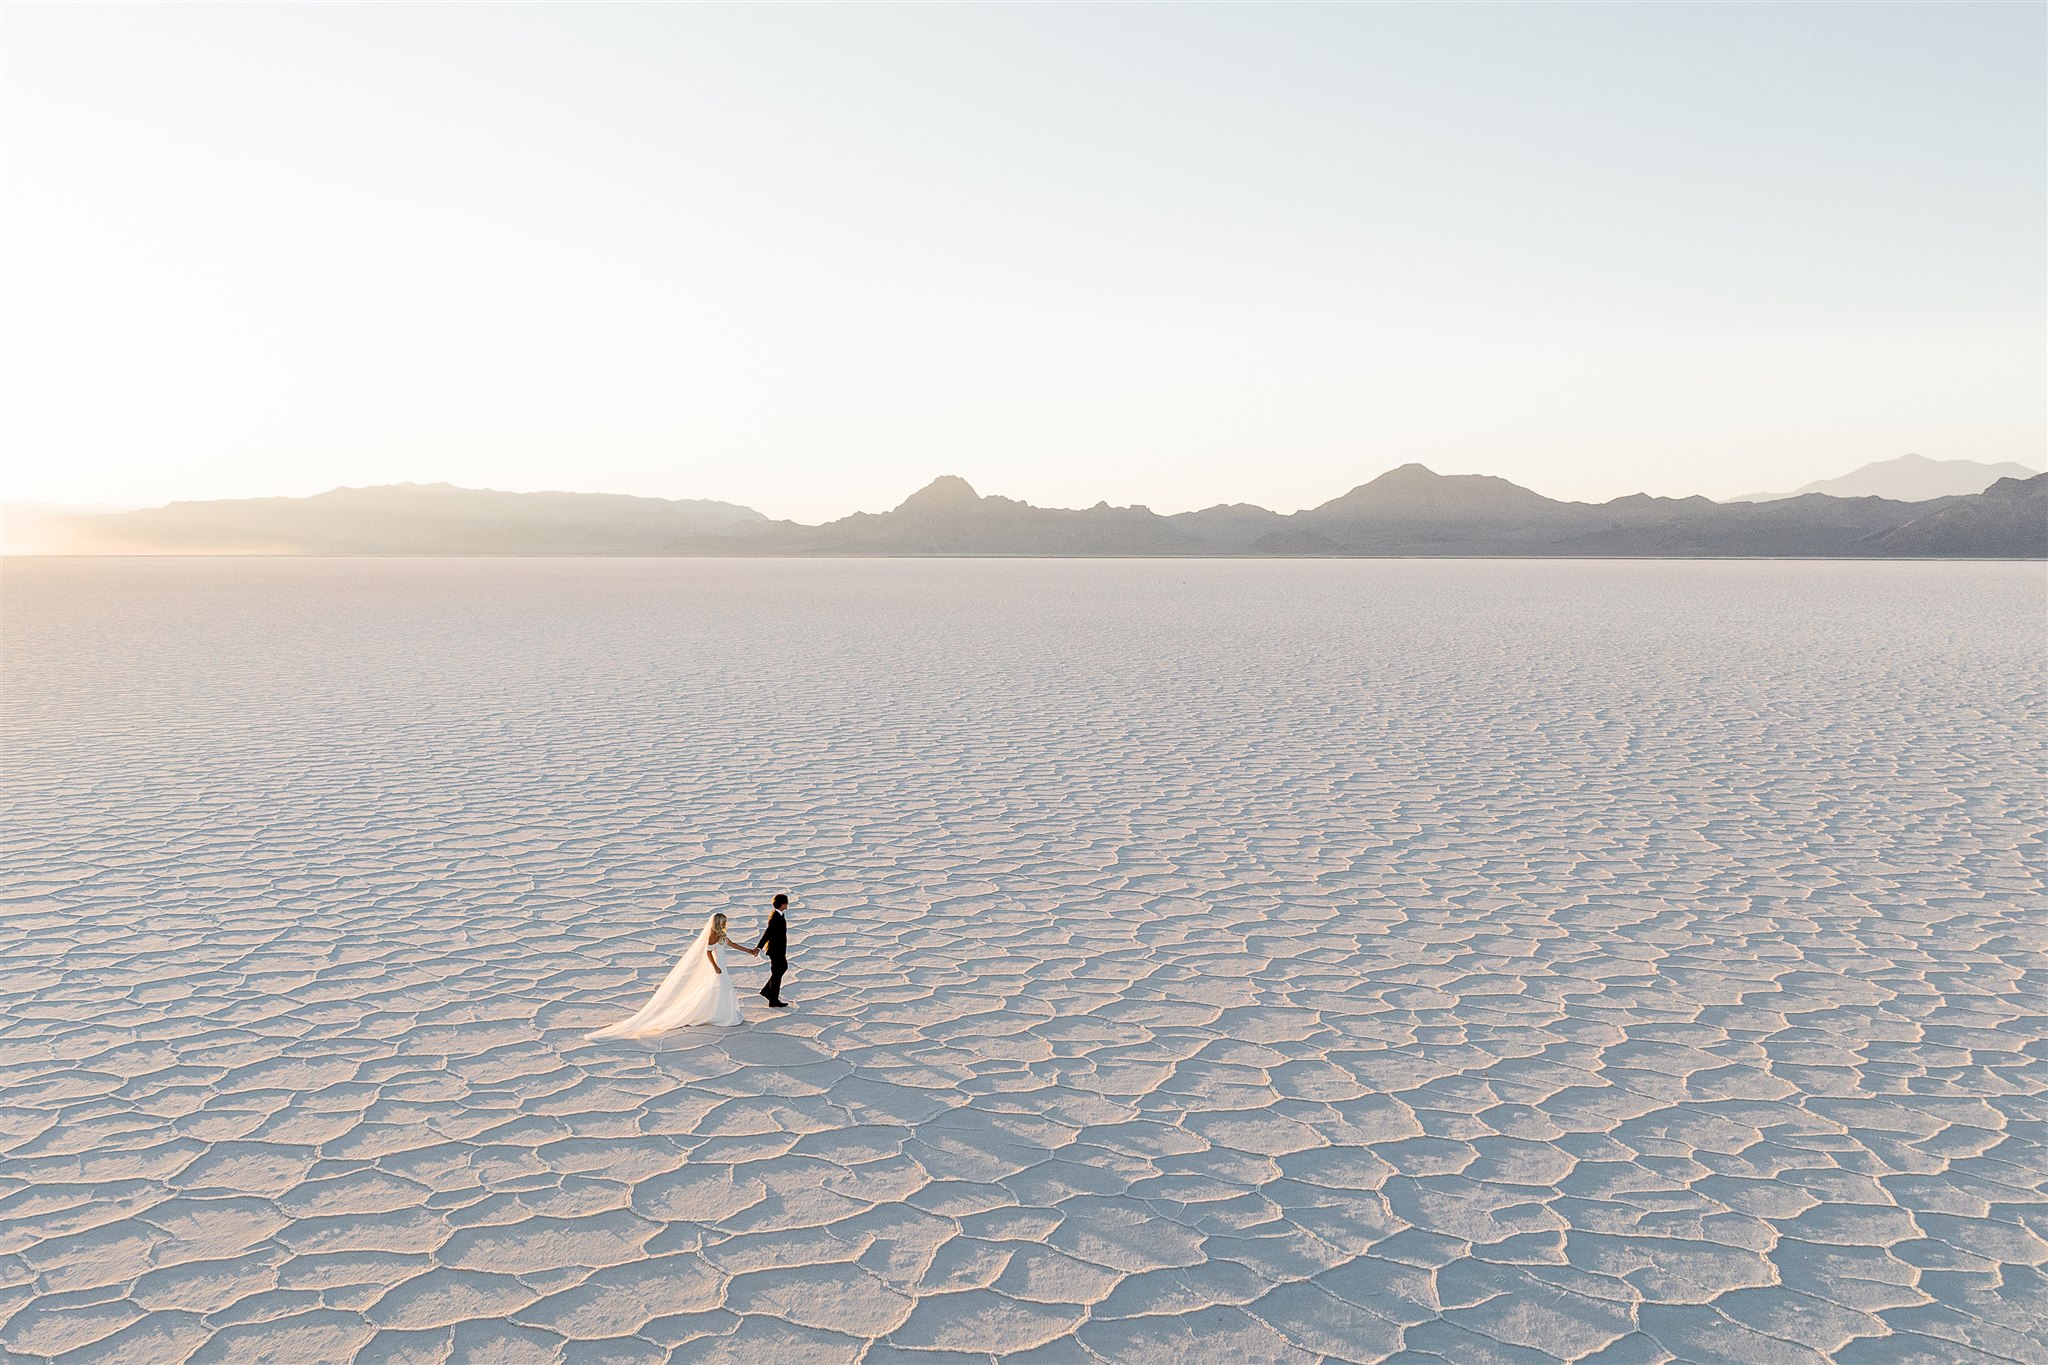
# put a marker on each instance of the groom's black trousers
(772, 992)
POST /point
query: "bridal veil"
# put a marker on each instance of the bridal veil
(692, 993)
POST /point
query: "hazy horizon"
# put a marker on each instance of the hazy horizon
(881, 501)
(806, 259)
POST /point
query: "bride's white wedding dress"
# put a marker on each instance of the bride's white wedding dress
(692, 993)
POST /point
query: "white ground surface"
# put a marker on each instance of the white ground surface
(1195, 961)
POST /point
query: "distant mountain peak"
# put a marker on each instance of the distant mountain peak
(945, 492)
(2012, 486)
(1415, 489)
(1411, 474)
(1905, 478)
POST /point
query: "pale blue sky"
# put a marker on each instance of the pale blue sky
(807, 258)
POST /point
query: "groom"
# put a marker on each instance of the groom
(776, 940)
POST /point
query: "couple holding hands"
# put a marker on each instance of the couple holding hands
(699, 989)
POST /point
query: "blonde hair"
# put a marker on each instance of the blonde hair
(717, 925)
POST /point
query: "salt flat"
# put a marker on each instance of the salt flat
(1195, 961)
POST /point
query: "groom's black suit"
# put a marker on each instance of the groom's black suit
(775, 941)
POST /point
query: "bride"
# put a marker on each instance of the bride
(697, 991)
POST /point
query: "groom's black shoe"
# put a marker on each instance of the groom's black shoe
(778, 1004)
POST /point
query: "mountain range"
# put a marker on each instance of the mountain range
(1909, 478)
(1406, 511)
